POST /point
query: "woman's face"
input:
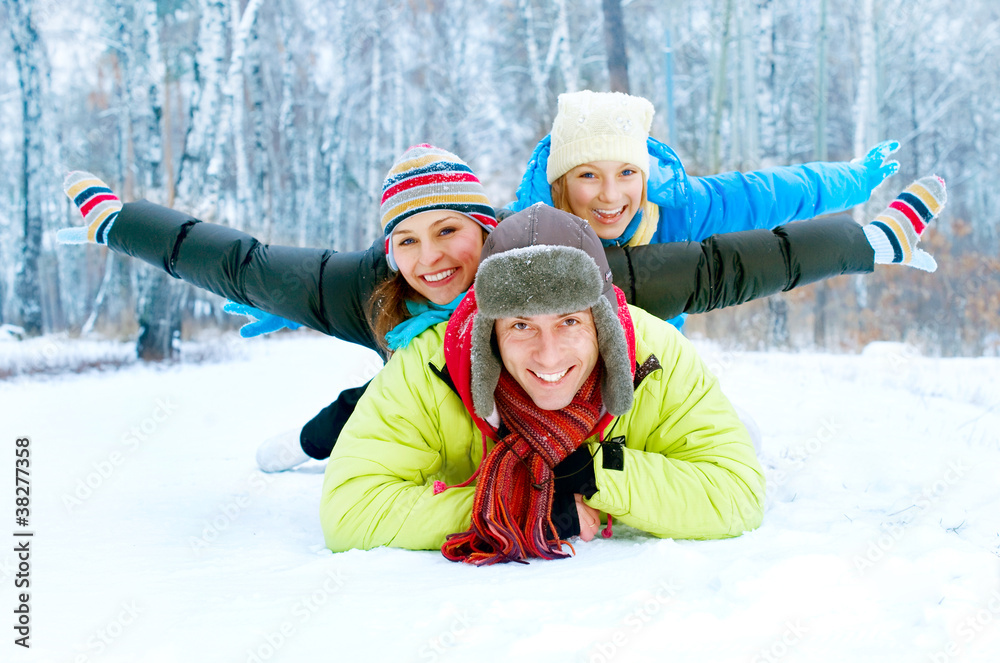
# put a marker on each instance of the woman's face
(606, 194)
(437, 252)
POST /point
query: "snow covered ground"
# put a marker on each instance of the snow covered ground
(156, 539)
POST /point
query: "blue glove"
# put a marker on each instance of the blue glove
(667, 184)
(263, 323)
(534, 186)
(876, 166)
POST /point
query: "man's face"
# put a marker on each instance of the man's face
(550, 356)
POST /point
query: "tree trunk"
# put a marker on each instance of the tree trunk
(297, 222)
(232, 121)
(374, 179)
(866, 103)
(750, 116)
(195, 182)
(264, 179)
(157, 321)
(143, 70)
(614, 39)
(565, 53)
(671, 109)
(536, 70)
(822, 83)
(820, 154)
(719, 90)
(778, 308)
(149, 115)
(32, 69)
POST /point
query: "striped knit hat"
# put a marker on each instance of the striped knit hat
(428, 178)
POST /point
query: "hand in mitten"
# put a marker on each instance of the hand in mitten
(875, 164)
(895, 232)
(98, 205)
(263, 323)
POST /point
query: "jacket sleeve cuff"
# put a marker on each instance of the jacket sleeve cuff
(575, 474)
(565, 516)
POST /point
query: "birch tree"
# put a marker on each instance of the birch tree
(720, 81)
(820, 154)
(866, 101)
(614, 39)
(230, 125)
(33, 73)
(567, 64)
(194, 182)
(537, 71)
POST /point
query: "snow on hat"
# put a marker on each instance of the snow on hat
(541, 261)
(599, 126)
(428, 178)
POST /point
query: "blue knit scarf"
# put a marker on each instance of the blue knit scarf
(423, 315)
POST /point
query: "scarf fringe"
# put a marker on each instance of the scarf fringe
(512, 509)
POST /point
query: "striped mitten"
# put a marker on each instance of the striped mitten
(98, 205)
(896, 230)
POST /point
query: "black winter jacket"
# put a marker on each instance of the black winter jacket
(329, 291)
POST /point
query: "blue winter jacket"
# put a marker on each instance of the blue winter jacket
(695, 208)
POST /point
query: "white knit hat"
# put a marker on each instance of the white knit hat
(599, 126)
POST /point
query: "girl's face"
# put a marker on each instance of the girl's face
(437, 252)
(606, 194)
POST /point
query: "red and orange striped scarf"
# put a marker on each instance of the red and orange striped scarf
(512, 509)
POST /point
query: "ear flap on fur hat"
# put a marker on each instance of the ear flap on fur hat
(486, 366)
(616, 387)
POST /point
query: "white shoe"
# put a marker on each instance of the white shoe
(281, 452)
(752, 427)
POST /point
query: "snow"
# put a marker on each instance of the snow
(157, 539)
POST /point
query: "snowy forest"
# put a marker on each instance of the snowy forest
(281, 118)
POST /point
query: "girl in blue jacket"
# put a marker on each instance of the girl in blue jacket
(600, 164)
(600, 149)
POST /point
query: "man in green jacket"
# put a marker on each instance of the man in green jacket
(584, 406)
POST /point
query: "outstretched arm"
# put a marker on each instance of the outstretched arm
(734, 268)
(734, 201)
(318, 288)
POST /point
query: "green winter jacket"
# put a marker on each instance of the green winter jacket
(689, 467)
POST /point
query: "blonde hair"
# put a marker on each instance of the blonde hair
(650, 210)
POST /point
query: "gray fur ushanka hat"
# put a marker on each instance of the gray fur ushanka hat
(546, 261)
